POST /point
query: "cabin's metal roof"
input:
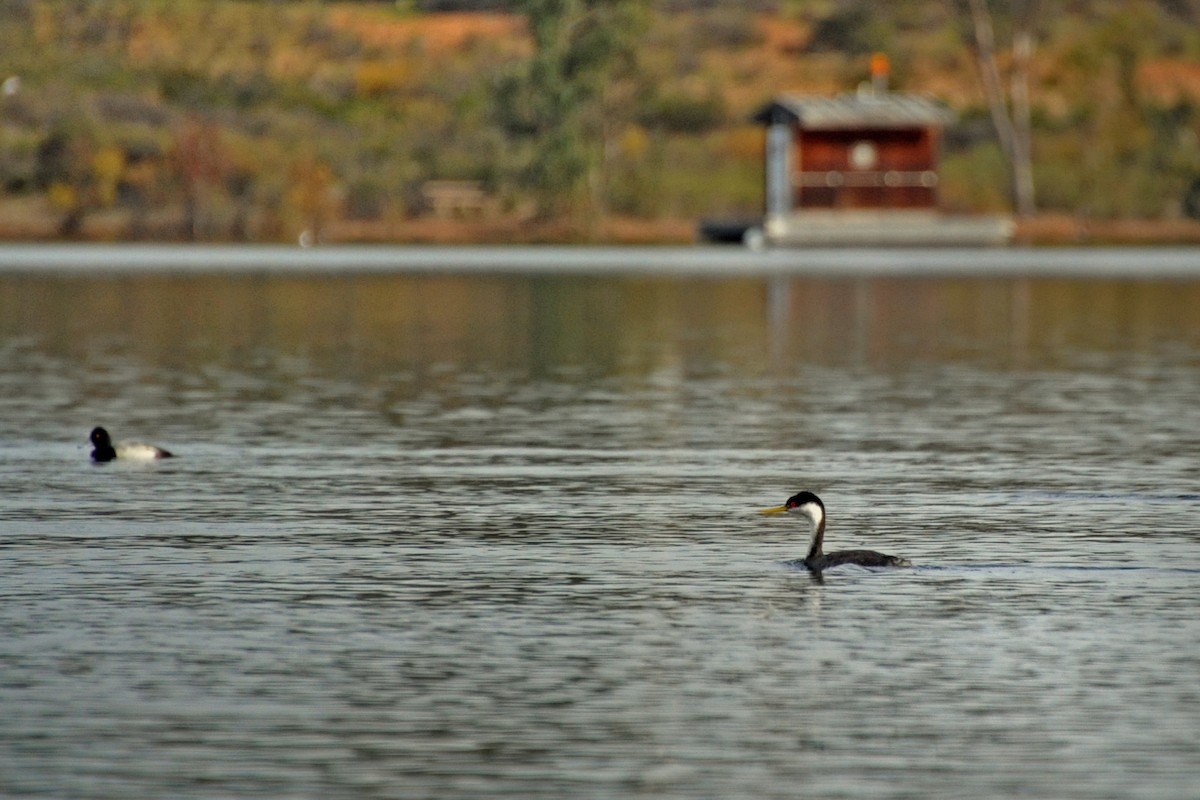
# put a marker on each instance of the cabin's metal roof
(864, 109)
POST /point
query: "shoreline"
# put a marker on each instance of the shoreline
(1046, 229)
(108, 260)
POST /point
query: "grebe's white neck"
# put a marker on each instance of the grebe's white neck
(813, 511)
(816, 516)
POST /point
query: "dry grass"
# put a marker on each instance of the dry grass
(1067, 229)
(439, 33)
(613, 230)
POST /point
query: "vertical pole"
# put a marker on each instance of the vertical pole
(779, 170)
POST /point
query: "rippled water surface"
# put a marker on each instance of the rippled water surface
(438, 536)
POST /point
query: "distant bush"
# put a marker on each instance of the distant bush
(974, 178)
(366, 199)
(680, 112)
(728, 26)
(856, 27)
(131, 108)
(1191, 199)
(182, 86)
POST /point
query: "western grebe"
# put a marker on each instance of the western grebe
(126, 451)
(810, 506)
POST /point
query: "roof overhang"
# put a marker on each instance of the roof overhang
(890, 110)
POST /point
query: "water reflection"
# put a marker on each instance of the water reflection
(1021, 323)
(447, 536)
(355, 326)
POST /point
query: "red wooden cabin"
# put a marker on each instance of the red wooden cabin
(855, 151)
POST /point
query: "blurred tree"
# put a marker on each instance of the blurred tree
(310, 196)
(1010, 110)
(557, 107)
(201, 162)
(64, 170)
(1132, 159)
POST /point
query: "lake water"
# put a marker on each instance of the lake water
(447, 535)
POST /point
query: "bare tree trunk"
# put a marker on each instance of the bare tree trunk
(1022, 163)
(1013, 127)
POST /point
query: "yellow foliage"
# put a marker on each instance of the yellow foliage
(633, 142)
(62, 195)
(108, 163)
(107, 166)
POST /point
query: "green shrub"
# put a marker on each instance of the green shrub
(680, 112)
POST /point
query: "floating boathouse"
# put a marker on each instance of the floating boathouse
(860, 169)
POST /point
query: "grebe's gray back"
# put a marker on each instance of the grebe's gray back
(809, 506)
